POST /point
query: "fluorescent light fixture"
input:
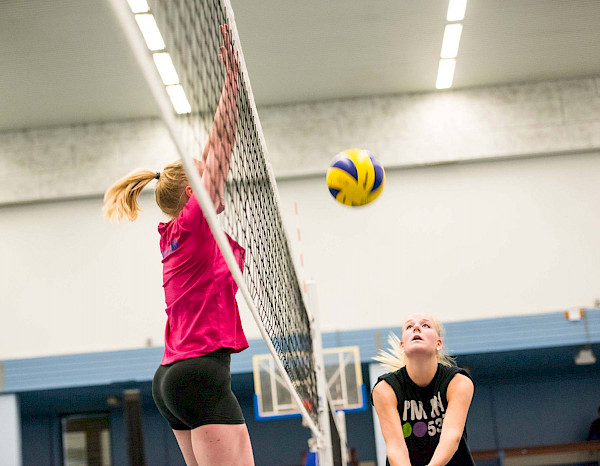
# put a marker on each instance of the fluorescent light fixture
(150, 31)
(165, 68)
(445, 73)
(138, 6)
(451, 40)
(456, 10)
(178, 99)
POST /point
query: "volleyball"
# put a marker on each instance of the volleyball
(355, 177)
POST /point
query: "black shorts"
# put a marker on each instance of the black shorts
(194, 392)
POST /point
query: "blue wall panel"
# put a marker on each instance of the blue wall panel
(546, 413)
(118, 437)
(470, 337)
(160, 445)
(480, 421)
(41, 441)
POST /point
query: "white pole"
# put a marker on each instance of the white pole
(324, 443)
(375, 370)
(340, 417)
(10, 430)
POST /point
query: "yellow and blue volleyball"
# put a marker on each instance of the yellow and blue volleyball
(355, 177)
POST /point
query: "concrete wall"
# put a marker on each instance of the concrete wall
(517, 120)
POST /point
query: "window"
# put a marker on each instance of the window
(86, 441)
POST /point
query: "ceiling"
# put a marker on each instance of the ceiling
(66, 62)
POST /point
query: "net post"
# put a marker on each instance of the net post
(324, 444)
(340, 417)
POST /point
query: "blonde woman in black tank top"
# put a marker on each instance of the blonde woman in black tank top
(423, 403)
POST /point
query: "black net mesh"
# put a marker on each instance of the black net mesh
(192, 35)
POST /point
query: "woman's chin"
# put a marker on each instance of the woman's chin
(419, 350)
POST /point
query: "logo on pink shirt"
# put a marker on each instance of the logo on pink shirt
(173, 246)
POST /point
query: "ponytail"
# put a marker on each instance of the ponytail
(121, 198)
(394, 359)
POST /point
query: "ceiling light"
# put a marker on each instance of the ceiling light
(451, 40)
(445, 73)
(165, 68)
(178, 99)
(138, 6)
(585, 356)
(456, 10)
(150, 31)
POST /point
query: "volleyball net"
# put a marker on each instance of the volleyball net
(196, 72)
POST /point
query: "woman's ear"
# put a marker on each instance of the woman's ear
(188, 191)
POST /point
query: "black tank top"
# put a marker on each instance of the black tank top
(422, 411)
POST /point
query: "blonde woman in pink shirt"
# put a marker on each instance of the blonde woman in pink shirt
(192, 385)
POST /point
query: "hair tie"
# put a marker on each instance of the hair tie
(157, 175)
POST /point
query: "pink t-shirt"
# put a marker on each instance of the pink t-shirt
(202, 313)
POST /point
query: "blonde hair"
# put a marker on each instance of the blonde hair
(394, 359)
(120, 199)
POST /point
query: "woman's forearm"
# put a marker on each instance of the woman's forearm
(398, 456)
(224, 126)
(445, 449)
(217, 153)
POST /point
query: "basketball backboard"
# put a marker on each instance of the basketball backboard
(272, 398)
